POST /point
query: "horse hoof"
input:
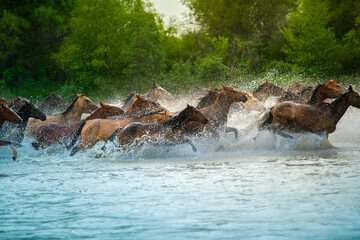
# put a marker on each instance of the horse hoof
(14, 158)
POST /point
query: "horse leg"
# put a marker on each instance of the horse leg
(36, 145)
(11, 146)
(234, 130)
(279, 132)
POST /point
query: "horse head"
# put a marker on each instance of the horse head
(335, 85)
(142, 105)
(7, 114)
(158, 93)
(86, 103)
(26, 109)
(234, 95)
(353, 97)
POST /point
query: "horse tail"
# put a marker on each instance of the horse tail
(76, 136)
(113, 135)
(267, 121)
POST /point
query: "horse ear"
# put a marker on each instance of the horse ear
(331, 81)
(350, 88)
(79, 94)
(102, 104)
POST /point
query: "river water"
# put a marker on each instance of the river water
(267, 188)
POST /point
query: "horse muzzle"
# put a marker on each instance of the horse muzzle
(243, 99)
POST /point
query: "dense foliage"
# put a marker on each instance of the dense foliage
(106, 47)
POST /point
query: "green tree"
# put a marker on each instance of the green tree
(29, 33)
(114, 44)
(310, 42)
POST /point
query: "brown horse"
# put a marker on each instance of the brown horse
(4, 101)
(218, 111)
(323, 91)
(142, 105)
(252, 103)
(6, 114)
(166, 132)
(319, 119)
(52, 133)
(158, 93)
(101, 129)
(80, 105)
(51, 102)
(14, 132)
(268, 89)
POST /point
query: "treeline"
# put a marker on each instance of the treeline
(106, 47)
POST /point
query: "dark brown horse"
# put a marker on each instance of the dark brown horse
(167, 132)
(52, 133)
(80, 105)
(6, 114)
(323, 118)
(14, 132)
(218, 111)
(51, 102)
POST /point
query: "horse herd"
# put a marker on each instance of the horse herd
(143, 119)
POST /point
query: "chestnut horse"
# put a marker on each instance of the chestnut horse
(51, 133)
(101, 129)
(80, 105)
(319, 119)
(6, 114)
(167, 132)
(218, 111)
(141, 106)
(4, 101)
(51, 102)
(14, 132)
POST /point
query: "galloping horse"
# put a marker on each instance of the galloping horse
(167, 132)
(323, 91)
(158, 93)
(268, 89)
(51, 102)
(51, 133)
(6, 114)
(14, 132)
(252, 103)
(218, 111)
(319, 119)
(80, 105)
(101, 129)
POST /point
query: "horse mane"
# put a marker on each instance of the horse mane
(313, 96)
(178, 119)
(70, 107)
(128, 97)
(334, 105)
(211, 96)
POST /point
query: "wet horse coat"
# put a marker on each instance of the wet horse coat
(318, 119)
(6, 114)
(51, 133)
(166, 132)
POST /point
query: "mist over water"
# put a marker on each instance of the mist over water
(269, 187)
